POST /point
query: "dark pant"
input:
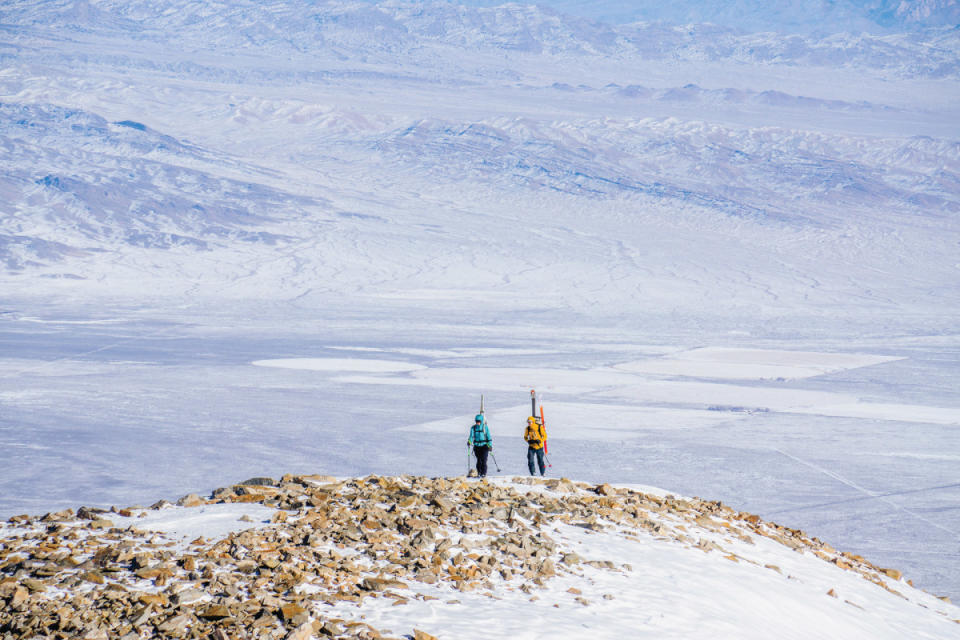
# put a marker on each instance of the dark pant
(481, 453)
(535, 454)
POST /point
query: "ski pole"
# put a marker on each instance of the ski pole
(468, 459)
(494, 461)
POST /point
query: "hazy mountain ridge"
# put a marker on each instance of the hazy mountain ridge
(102, 182)
(76, 179)
(755, 172)
(806, 16)
(423, 34)
(116, 184)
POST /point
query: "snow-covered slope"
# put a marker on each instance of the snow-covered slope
(436, 558)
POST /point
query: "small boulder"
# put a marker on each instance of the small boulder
(303, 632)
(214, 612)
(604, 490)
(191, 500)
(291, 610)
(259, 482)
(892, 573)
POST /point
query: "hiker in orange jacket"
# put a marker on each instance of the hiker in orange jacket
(536, 437)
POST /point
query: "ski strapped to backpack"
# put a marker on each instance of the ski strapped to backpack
(543, 421)
(479, 433)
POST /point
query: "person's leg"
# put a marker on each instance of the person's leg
(543, 467)
(530, 454)
(482, 460)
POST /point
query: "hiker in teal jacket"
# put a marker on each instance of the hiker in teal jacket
(482, 444)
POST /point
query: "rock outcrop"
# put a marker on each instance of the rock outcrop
(81, 575)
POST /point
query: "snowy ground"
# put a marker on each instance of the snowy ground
(688, 581)
(660, 590)
(729, 261)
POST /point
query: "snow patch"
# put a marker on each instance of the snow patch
(585, 421)
(208, 521)
(752, 364)
(340, 364)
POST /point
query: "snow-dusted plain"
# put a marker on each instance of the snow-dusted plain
(256, 238)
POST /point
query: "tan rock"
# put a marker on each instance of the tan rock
(215, 611)
(175, 625)
(379, 584)
(156, 573)
(93, 576)
(19, 596)
(33, 585)
(417, 524)
(422, 635)
(188, 596)
(259, 481)
(247, 566)
(191, 500)
(155, 599)
(547, 569)
(445, 505)
(330, 628)
(303, 632)
(290, 610)
(706, 545)
(142, 560)
(408, 501)
(892, 573)
(854, 557)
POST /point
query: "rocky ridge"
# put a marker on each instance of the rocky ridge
(93, 574)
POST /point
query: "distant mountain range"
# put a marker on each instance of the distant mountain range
(434, 33)
(787, 16)
(249, 130)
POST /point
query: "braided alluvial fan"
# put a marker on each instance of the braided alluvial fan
(75, 574)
